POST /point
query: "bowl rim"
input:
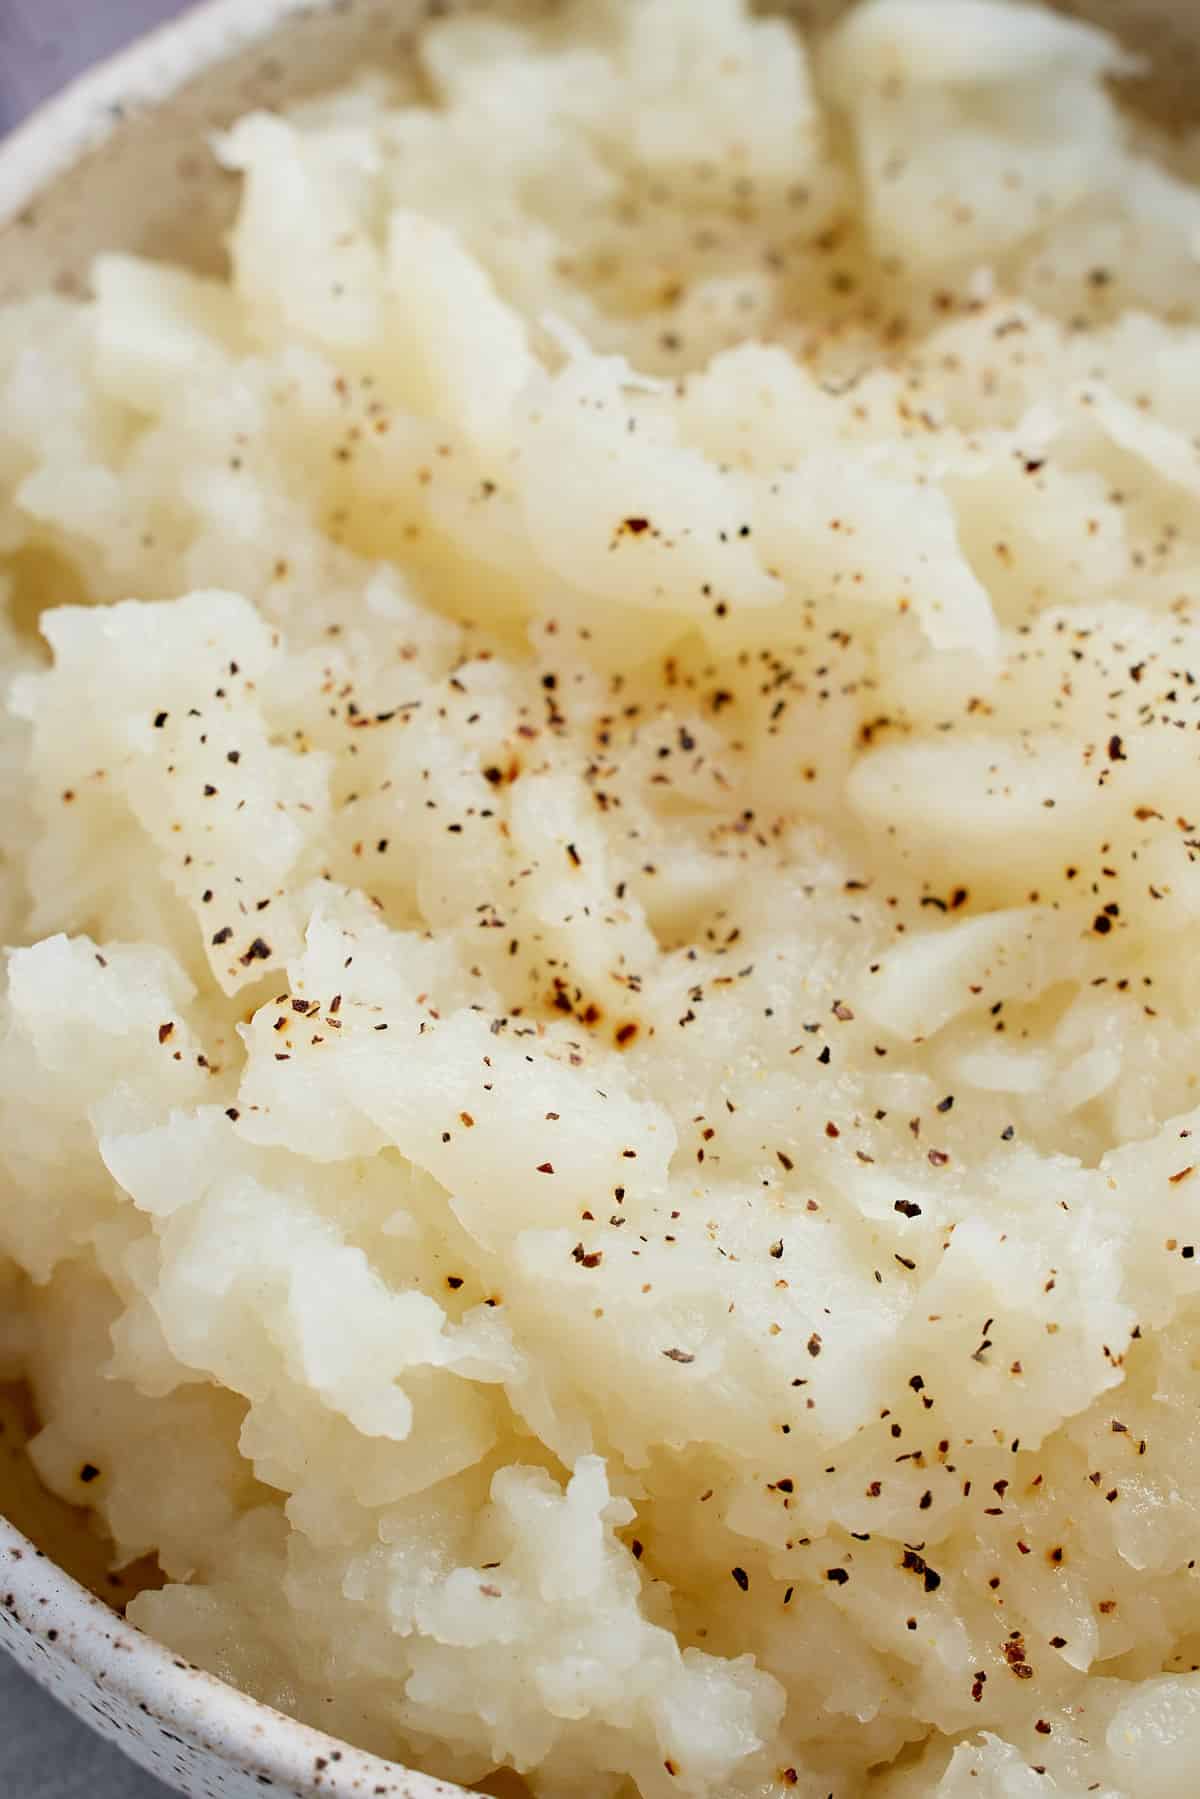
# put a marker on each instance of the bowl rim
(73, 1624)
(68, 1621)
(81, 116)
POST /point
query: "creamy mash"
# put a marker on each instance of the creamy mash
(600, 1125)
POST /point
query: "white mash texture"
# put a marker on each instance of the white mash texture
(600, 1125)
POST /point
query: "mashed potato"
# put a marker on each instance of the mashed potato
(600, 1113)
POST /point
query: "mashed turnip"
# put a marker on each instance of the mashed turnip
(600, 1112)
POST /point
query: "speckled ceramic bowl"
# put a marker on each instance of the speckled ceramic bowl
(121, 160)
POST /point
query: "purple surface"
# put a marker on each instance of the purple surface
(44, 1752)
(44, 42)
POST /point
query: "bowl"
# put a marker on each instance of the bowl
(121, 161)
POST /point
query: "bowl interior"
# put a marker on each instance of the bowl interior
(64, 1532)
(132, 167)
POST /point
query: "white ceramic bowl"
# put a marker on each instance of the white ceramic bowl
(121, 160)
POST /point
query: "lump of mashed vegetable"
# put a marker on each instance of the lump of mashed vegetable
(600, 1118)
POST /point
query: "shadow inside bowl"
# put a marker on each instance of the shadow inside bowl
(68, 1534)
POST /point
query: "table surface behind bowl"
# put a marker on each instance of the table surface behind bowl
(43, 43)
(44, 1752)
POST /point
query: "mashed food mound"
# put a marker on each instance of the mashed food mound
(600, 1125)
